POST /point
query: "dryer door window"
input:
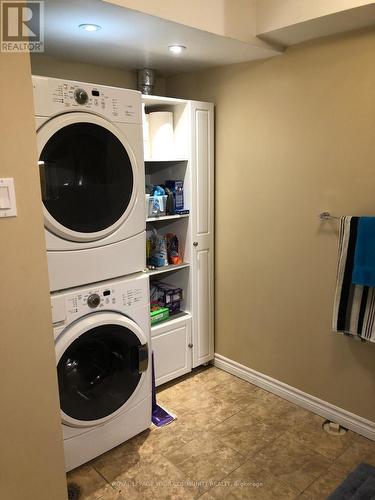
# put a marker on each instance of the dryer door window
(100, 371)
(86, 177)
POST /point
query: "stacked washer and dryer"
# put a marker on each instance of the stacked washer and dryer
(92, 182)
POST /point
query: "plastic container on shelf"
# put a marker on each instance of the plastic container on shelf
(156, 206)
(174, 307)
(159, 315)
(177, 188)
(166, 294)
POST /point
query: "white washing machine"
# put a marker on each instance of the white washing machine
(91, 169)
(103, 357)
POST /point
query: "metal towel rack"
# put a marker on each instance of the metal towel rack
(328, 216)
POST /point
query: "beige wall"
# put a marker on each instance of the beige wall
(232, 18)
(276, 14)
(241, 19)
(294, 137)
(31, 451)
(72, 70)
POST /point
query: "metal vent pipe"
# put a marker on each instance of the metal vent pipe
(146, 80)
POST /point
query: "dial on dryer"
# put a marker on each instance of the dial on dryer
(93, 300)
(81, 96)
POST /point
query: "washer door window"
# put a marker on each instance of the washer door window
(100, 369)
(87, 175)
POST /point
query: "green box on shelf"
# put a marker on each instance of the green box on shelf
(159, 315)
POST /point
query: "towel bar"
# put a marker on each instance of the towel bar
(327, 216)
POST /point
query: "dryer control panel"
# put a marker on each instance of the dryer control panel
(55, 96)
(113, 295)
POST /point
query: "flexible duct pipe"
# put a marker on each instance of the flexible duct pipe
(146, 80)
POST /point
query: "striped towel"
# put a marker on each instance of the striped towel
(354, 307)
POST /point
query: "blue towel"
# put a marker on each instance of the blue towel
(364, 257)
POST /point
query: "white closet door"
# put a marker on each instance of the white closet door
(172, 354)
(202, 119)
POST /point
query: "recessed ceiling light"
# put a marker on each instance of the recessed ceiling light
(90, 27)
(176, 49)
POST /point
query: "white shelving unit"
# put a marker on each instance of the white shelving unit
(167, 160)
(186, 339)
(167, 269)
(166, 217)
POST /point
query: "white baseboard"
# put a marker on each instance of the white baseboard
(323, 408)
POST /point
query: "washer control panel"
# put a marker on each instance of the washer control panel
(72, 95)
(69, 306)
(53, 96)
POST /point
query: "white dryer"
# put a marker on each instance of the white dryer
(92, 180)
(103, 357)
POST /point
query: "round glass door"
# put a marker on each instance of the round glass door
(86, 175)
(99, 371)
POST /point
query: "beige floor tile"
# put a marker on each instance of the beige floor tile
(190, 379)
(209, 383)
(322, 487)
(181, 395)
(164, 440)
(206, 459)
(155, 477)
(276, 412)
(237, 393)
(211, 377)
(207, 407)
(193, 399)
(368, 443)
(360, 450)
(90, 484)
(206, 412)
(120, 459)
(310, 433)
(171, 437)
(246, 434)
(112, 495)
(249, 482)
(291, 462)
(205, 418)
(229, 437)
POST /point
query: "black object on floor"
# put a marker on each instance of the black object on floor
(73, 492)
(359, 485)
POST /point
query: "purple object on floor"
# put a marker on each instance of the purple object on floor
(159, 416)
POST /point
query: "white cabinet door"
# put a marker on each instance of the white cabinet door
(171, 343)
(202, 162)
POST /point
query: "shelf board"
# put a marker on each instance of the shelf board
(178, 315)
(165, 160)
(166, 269)
(166, 217)
(160, 100)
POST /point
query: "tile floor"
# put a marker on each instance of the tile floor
(231, 440)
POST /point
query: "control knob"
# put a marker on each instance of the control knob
(81, 96)
(93, 300)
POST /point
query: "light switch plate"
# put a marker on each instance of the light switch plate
(7, 198)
